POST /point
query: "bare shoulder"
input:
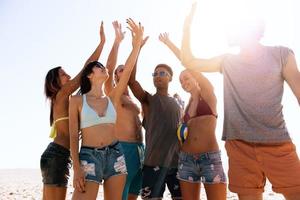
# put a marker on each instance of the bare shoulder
(76, 99)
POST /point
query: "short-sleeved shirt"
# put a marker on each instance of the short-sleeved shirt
(161, 122)
(253, 92)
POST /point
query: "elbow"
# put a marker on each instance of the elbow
(183, 60)
(186, 60)
(186, 63)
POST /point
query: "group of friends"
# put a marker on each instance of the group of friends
(101, 131)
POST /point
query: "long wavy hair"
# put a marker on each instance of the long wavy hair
(51, 87)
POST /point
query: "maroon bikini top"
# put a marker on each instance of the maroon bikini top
(202, 109)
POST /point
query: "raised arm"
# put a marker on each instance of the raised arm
(73, 84)
(207, 88)
(113, 56)
(187, 58)
(134, 85)
(164, 38)
(292, 75)
(137, 37)
(78, 180)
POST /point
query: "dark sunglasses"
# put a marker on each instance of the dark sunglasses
(160, 74)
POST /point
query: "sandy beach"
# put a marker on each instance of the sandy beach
(17, 184)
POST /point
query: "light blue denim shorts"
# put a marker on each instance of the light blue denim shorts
(204, 167)
(102, 163)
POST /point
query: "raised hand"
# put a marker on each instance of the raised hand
(119, 34)
(164, 37)
(189, 18)
(137, 32)
(144, 41)
(102, 35)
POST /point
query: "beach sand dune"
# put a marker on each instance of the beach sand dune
(17, 184)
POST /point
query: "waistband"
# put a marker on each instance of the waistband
(58, 147)
(201, 156)
(257, 144)
(111, 146)
(131, 143)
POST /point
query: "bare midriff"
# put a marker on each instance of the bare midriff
(201, 135)
(98, 136)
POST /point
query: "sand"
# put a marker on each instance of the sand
(20, 184)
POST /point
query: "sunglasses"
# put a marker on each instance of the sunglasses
(160, 74)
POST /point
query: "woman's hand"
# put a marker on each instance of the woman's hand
(164, 38)
(79, 180)
(137, 32)
(119, 35)
(101, 32)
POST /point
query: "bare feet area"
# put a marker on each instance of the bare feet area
(18, 184)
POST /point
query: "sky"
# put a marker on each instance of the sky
(36, 36)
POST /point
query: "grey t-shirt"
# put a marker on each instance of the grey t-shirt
(253, 92)
(161, 122)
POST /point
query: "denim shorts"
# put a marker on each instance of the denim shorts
(55, 164)
(204, 167)
(102, 163)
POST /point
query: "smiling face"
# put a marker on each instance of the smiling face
(188, 82)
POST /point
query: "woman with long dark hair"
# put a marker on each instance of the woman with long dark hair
(94, 115)
(55, 161)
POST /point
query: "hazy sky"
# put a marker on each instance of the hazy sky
(36, 36)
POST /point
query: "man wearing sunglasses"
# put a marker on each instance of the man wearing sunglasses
(161, 118)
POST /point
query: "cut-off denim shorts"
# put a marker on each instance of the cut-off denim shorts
(102, 163)
(204, 167)
(55, 164)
